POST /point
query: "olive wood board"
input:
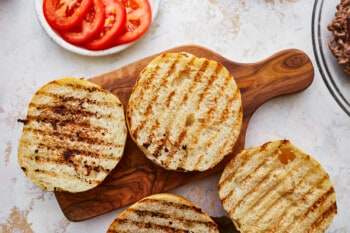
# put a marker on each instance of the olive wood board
(285, 72)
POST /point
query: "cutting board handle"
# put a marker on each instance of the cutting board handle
(284, 72)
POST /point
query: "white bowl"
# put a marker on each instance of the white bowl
(79, 50)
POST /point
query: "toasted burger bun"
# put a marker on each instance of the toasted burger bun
(185, 112)
(277, 188)
(73, 136)
(163, 213)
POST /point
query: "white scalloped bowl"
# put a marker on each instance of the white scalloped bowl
(79, 50)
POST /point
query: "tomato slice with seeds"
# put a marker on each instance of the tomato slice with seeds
(114, 22)
(138, 20)
(89, 26)
(65, 14)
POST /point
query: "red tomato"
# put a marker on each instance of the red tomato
(114, 22)
(65, 14)
(138, 20)
(89, 26)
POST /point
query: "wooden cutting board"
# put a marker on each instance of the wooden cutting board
(135, 177)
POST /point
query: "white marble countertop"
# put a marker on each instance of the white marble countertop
(243, 31)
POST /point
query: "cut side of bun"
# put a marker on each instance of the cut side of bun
(163, 212)
(276, 187)
(74, 134)
(185, 112)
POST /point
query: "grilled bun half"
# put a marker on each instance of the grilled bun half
(185, 112)
(74, 134)
(163, 212)
(277, 187)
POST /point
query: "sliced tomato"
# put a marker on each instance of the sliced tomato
(114, 22)
(89, 26)
(65, 14)
(138, 20)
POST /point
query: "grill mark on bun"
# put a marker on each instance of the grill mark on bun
(148, 105)
(167, 100)
(178, 143)
(210, 112)
(306, 197)
(319, 201)
(274, 204)
(224, 114)
(184, 101)
(328, 213)
(73, 177)
(266, 176)
(138, 225)
(290, 192)
(71, 101)
(63, 129)
(209, 84)
(66, 113)
(320, 212)
(79, 87)
(63, 154)
(73, 129)
(182, 106)
(148, 225)
(248, 177)
(177, 205)
(56, 139)
(229, 175)
(261, 184)
(165, 217)
(163, 213)
(78, 137)
(148, 85)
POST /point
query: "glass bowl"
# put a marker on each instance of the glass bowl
(337, 82)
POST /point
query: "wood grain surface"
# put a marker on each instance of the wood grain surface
(135, 177)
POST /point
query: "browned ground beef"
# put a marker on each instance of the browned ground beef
(339, 43)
